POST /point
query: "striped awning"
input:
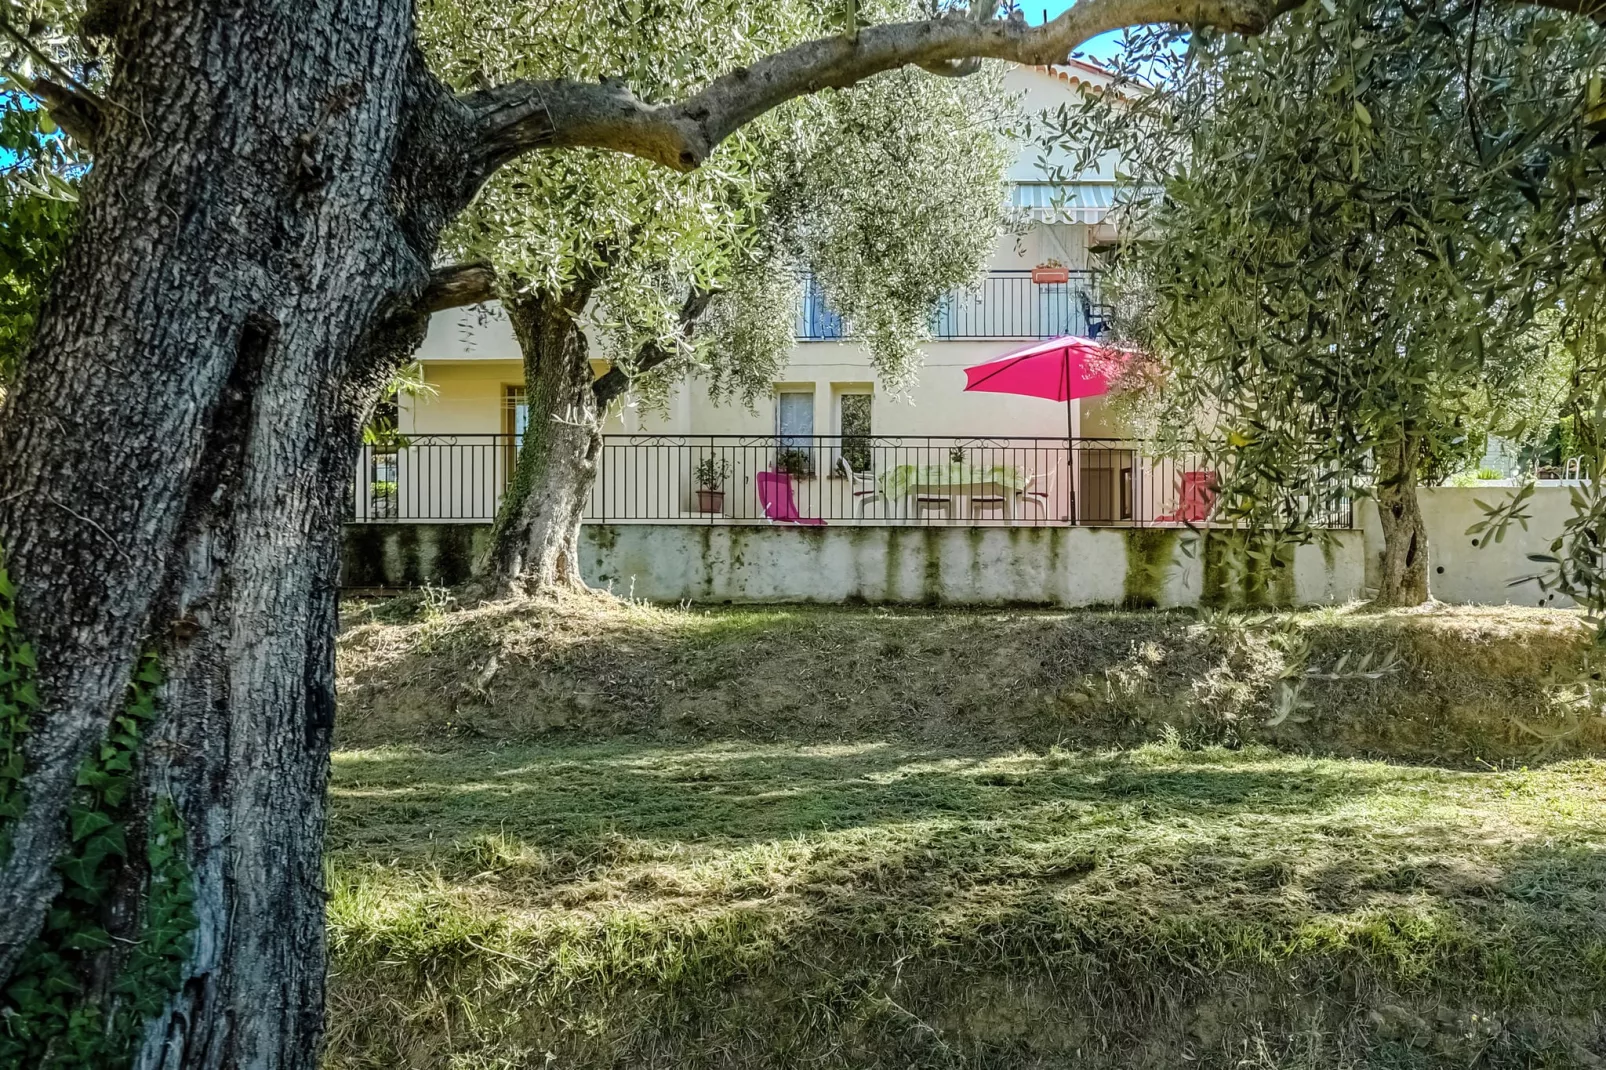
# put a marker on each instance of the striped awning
(1070, 202)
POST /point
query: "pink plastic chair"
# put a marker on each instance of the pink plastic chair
(1197, 499)
(775, 495)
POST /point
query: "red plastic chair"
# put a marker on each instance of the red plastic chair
(775, 495)
(1198, 497)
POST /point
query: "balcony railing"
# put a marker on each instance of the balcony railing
(810, 480)
(1004, 305)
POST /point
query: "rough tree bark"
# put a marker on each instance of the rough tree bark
(1403, 564)
(536, 545)
(174, 457)
(252, 261)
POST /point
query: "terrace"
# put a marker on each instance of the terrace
(1003, 305)
(788, 475)
(780, 479)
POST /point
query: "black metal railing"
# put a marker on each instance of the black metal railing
(1004, 304)
(432, 477)
(811, 480)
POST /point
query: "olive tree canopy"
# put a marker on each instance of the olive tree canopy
(1331, 263)
(890, 195)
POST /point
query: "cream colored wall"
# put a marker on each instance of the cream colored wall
(478, 333)
(936, 405)
(464, 397)
(1042, 92)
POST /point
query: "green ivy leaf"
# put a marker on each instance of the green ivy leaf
(86, 822)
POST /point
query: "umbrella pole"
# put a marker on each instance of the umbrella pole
(1065, 378)
(1070, 444)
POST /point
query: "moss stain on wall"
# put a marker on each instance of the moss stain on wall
(404, 554)
(705, 557)
(1245, 569)
(931, 591)
(454, 554)
(1056, 553)
(362, 556)
(893, 564)
(1150, 554)
(603, 538)
(858, 545)
(978, 550)
(411, 555)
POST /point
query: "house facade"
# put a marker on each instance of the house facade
(828, 444)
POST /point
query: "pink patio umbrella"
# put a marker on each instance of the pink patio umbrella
(1060, 369)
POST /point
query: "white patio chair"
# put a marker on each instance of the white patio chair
(866, 491)
(1038, 490)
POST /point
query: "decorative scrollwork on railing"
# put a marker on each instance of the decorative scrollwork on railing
(401, 441)
(650, 440)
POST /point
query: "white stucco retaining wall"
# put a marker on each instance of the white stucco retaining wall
(988, 566)
(1458, 570)
(961, 566)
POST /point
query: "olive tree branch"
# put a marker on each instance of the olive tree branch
(457, 285)
(522, 116)
(616, 381)
(75, 107)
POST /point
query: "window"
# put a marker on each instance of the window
(816, 321)
(853, 420)
(515, 414)
(515, 421)
(794, 417)
(384, 473)
(794, 432)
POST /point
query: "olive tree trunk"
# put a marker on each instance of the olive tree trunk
(536, 546)
(1403, 564)
(174, 462)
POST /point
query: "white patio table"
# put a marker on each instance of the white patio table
(959, 481)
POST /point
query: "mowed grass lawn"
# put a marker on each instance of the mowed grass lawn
(637, 904)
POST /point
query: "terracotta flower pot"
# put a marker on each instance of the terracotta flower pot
(1045, 274)
(710, 501)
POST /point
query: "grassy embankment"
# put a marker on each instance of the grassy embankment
(631, 837)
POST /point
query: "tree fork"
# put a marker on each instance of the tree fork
(536, 543)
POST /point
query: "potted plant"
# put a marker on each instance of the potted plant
(382, 499)
(795, 462)
(1050, 272)
(711, 473)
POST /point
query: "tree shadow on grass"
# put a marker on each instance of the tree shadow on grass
(996, 909)
(734, 793)
(712, 825)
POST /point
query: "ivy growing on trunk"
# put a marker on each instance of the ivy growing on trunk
(19, 700)
(113, 945)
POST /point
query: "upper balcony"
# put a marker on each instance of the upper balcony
(1004, 305)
